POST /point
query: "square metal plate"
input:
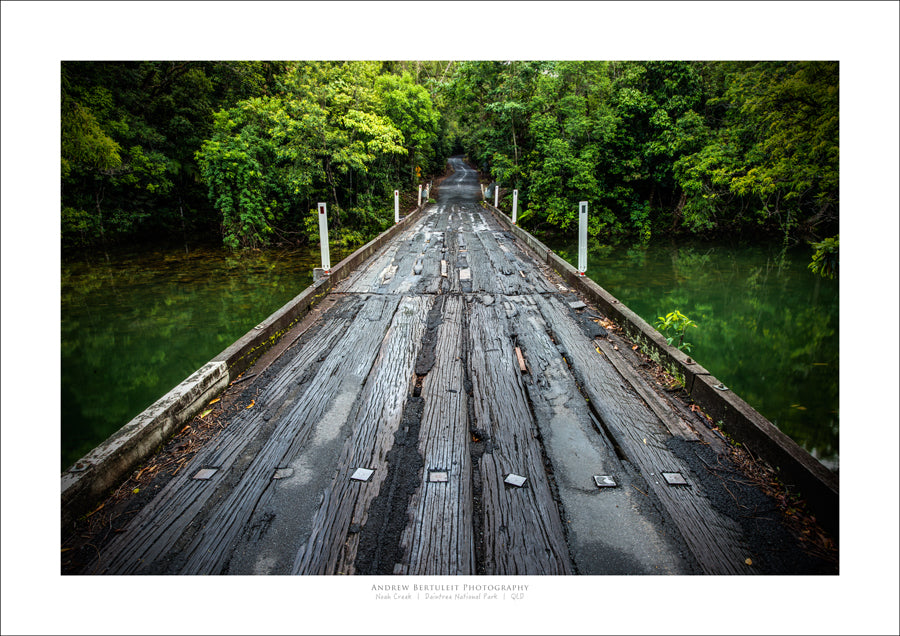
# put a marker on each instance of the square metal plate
(465, 274)
(438, 476)
(605, 481)
(362, 474)
(577, 305)
(515, 480)
(281, 473)
(675, 479)
(205, 473)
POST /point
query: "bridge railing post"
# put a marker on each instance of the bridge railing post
(496, 195)
(420, 195)
(396, 206)
(582, 237)
(323, 240)
(515, 205)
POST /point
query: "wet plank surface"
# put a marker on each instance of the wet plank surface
(439, 536)
(415, 372)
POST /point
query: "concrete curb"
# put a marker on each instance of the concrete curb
(87, 481)
(797, 469)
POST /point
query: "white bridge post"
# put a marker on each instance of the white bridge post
(396, 206)
(323, 239)
(420, 195)
(496, 195)
(515, 205)
(582, 237)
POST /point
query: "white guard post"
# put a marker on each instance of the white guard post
(323, 238)
(582, 237)
(420, 194)
(515, 205)
(496, 195)
(396, 206)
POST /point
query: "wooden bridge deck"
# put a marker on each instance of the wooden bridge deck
(412, 367)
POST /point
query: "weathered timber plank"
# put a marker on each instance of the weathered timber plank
(369, 276)
(714, 540)
(662, 410)
(439, 537)
(331, 548)
(492, 272)
(595, 518)
(337, 381)
(410, 264)
(523, 533)
(534, 280)
(407, 257)
(431, 281)
(156, 528)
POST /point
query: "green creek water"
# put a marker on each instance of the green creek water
(767, 327)
(137, 324)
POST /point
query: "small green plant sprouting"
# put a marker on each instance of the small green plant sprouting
(673, 326)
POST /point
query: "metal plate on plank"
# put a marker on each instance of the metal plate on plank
(205, 473)
(515, 480)
(465, 274)
(605, 481)
(577, 305)
(675, 479)
(438, 476)
(362, 474)
(282, 473)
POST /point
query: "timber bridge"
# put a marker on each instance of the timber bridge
(452, 399)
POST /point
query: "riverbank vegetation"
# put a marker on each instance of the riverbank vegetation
(241, 149)
(245, 150)
(704, 148)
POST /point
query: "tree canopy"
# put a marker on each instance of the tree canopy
(247, 149)
(657, 146)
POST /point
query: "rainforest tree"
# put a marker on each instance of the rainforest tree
(657, 146)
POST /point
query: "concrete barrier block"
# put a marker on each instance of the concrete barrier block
(86, 481)
(799, 470)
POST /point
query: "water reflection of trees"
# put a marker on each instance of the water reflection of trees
(767, 328)
(134, 327)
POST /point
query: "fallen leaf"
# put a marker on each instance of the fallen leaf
(749, 562)
(214, 401)
(205, 413)
(252, 402)
(136, 490)
(634, 348)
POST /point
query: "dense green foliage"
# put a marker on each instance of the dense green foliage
(247, 149)
(825, 258)
(243, 148)
(702, 147)
(129, 134)
(345, 133)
